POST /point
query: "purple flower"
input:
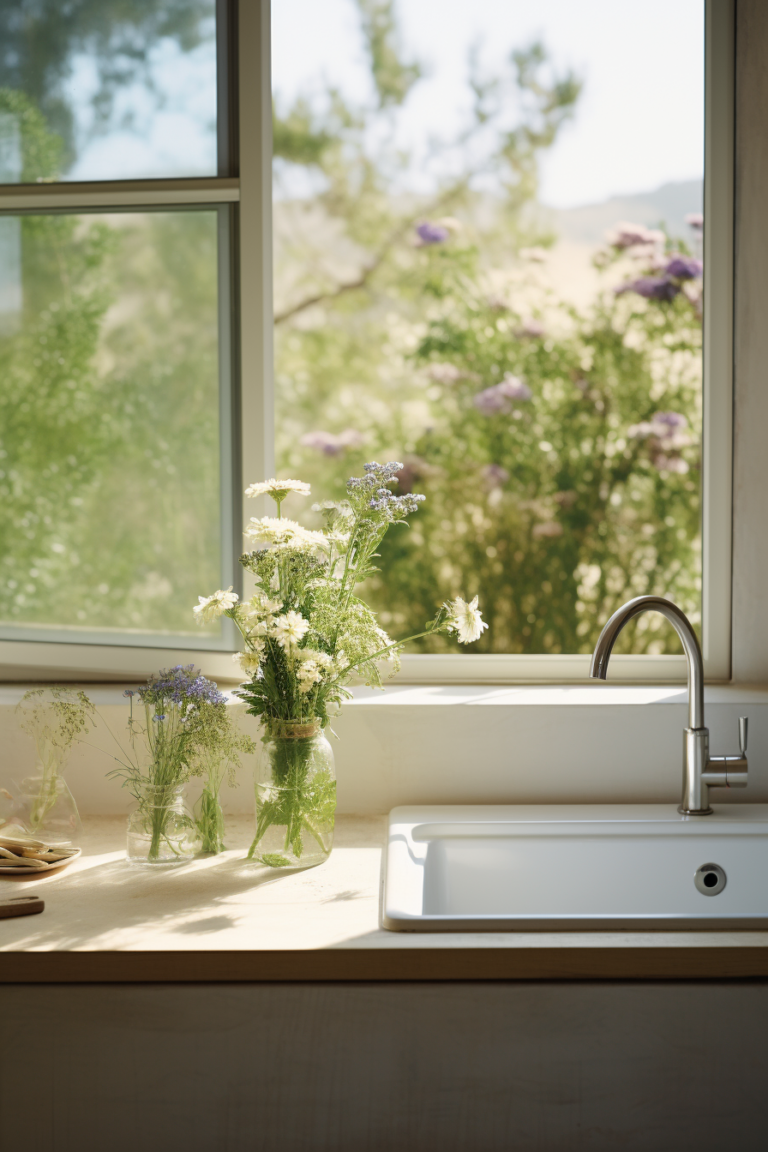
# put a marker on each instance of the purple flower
(180, 685)
(695, 220)
(494, 475)
(331, 444)
(500, 397)
(627, 235)
(651, 287)
(670, 419)
(666, 463)
(684, 267)
(431, 233)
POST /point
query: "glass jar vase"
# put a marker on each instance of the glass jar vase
(295, 784)
(42, 806)
(161, 829)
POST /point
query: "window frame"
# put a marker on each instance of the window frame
(245, 156)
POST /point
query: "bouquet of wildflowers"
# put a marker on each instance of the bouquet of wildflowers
(56, 719)
(306, 633)
(186, 731)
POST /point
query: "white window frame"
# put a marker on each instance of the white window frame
(251, 193)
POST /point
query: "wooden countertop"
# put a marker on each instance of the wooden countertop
(221, 919)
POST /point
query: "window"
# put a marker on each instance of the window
(435, 301)
(116, 326)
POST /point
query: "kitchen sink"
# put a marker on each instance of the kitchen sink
(580, 867)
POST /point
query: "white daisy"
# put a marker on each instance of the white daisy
(289, 629)
(314, 656)
(466, 620)
(278, 489)
(270, 531)
(249, 662)
(211, 607)
(308, 675)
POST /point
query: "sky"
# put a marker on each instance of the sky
(639, 122)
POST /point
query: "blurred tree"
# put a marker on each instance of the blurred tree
(109, 413)
(558, 449)
(39, 40)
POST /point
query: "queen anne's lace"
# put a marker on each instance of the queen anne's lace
(278, 489)
(305, 631)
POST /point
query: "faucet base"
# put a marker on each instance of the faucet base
(694, 811)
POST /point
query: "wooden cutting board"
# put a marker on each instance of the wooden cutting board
(20, 906)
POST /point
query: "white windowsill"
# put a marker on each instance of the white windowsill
(453, 695)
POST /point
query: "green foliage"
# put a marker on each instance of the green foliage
(55, 718)
(108, 390)
(554, 508)
(392, 77)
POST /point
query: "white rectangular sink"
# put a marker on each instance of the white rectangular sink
(594, 867)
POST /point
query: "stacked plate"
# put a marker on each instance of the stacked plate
(23, 854)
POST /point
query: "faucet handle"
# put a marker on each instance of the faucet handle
(743, 731)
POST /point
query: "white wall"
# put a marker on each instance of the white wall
(453, 745)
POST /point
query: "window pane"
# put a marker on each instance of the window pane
(124, 90)
(487, 266)
(110, 492)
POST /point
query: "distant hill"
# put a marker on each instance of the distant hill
(668, 205)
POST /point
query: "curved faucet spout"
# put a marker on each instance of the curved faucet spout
(680, 622)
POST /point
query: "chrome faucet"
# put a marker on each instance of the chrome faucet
(700, 770)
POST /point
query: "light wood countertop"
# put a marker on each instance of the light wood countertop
(222, 919)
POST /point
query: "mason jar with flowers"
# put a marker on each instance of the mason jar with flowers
(306, 635)
(187, 730)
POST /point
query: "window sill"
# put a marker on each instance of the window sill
(396, 695)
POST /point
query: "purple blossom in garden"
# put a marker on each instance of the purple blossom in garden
(490, 401)
(431, 233)
(626, 235)
(665, 436)
(500, 397)
(331, 444)
(530, 329)
(684, 267)
(651, 287)
(494, 475)
(514, 387)
(445, 373)
(666, 463)
(695, 220)
(670, 419)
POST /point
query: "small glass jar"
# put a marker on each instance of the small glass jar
(161, 829)
(42, 806)
(295, 784)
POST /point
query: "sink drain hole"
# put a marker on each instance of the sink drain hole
(710, 879)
